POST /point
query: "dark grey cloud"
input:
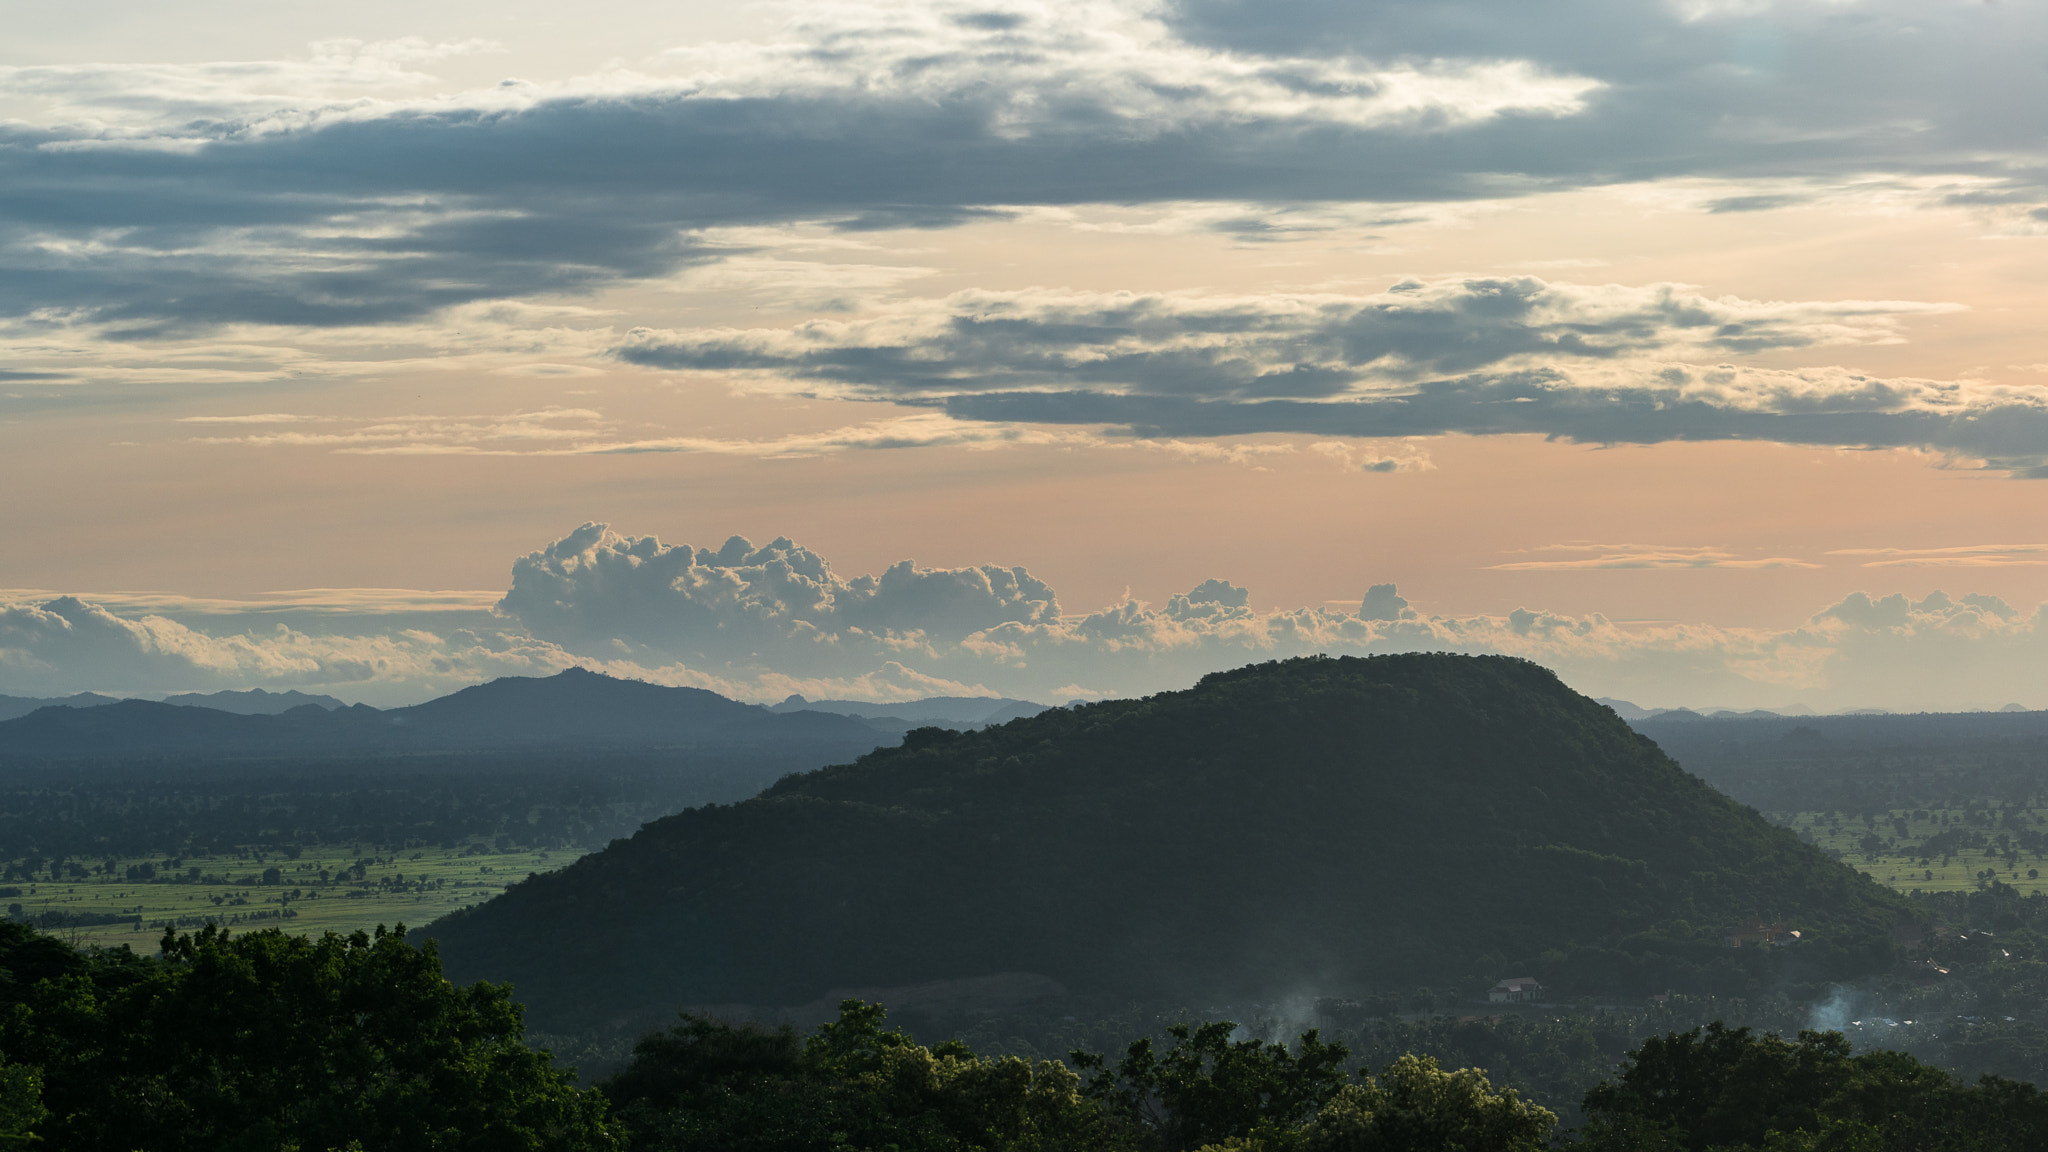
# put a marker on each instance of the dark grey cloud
(356, 215)
(2011, 437)
(1601, 364)
(1244, 348)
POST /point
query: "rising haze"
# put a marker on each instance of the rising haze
(1056, 349)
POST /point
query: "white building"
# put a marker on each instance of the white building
(1515, 989)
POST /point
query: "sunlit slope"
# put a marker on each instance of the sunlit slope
(1320, 825)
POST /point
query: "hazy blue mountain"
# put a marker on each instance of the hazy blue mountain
(952, 711)
(1317, 826)
(13, 706)
(1868, 763)
(254, 701)
(574, 708)
(1687, 734)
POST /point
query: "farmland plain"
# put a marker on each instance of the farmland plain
(333, 887)
(1935, 849)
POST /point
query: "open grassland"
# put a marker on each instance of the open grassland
(329, 887)
(1936, 849)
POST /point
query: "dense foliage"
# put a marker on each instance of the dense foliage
(267, 1041)
(264, 1042)
(1345, 824)
(1716, 1089)
(706, 1085)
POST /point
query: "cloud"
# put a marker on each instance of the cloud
(357, 602)
(65, 645)
(1645, 556)
(595, 590)
(156, 199)
(1968, 556)
(586, 432)
(149, 99)
(771, 615)
(512, 433)
(1482, 356)
(327, 191)
(1051, 67)
(1248, 348)
(1384, 602)
(763, 622)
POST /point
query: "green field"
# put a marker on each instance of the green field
(1919, 859)
(305, 890)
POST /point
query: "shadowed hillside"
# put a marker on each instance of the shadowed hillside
(1322, 825)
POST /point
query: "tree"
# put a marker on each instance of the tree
(1721, 1088)
(1209, 1088)
(1416, 1106)
(21, 1106)
(266, 1041)
(709, 1085)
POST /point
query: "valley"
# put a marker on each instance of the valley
(306, 890)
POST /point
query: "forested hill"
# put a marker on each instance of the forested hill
(1321, 825)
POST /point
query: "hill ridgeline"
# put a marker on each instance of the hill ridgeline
(1318, 826)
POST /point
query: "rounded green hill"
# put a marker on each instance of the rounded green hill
(1319, 825)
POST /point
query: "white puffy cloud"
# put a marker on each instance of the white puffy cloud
(759, 623)
(65, 645)
(595, 590)
(774, 615)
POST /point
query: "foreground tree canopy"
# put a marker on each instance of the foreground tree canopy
(272, 1043)
(267, 1041)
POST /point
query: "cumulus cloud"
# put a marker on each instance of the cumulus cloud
(65, 645)
(762, 622)
(595, 589)
(771, 616)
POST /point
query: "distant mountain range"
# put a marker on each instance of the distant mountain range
(572, 709)
(253, 702)
(1632, 712)
(13, 706)
(948, 711)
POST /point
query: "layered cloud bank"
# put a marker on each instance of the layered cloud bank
(335, 190)
(1482, 356)
(343, 214)
(761, 622)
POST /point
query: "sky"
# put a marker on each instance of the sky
(1057, 349)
